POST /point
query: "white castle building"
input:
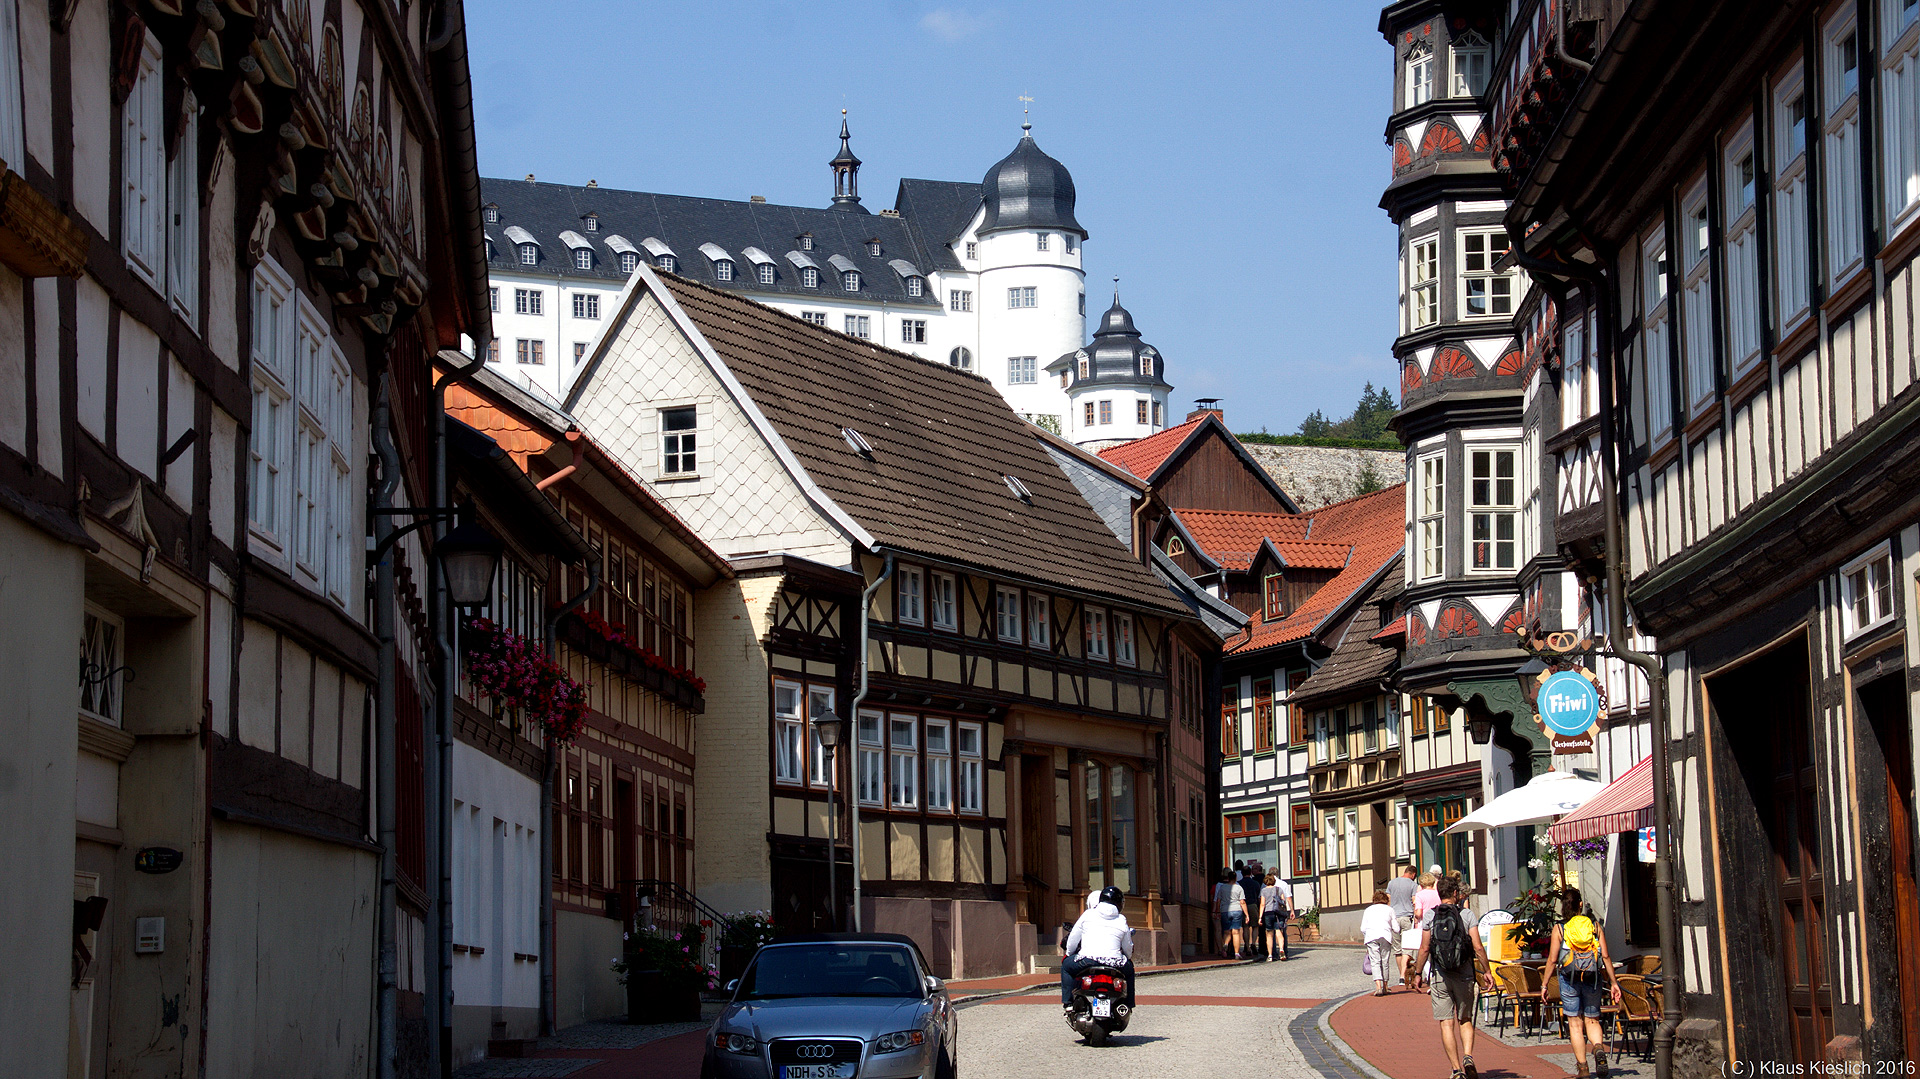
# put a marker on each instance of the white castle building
(982, 276)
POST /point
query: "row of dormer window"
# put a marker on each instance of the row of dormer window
(724, 269)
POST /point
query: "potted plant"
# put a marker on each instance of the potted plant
(741, 934)
(664, 976)
(1310, 924)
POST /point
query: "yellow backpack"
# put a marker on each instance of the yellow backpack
(1583, 944)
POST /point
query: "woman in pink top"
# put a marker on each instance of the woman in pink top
(1426, 898)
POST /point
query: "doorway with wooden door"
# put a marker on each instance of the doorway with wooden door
(1038, 841)
(1883, 704)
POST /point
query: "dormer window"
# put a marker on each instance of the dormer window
(1146, 364)
(873, 248)
(582, 258)
(916, 286)
(766, 273)
(806, 241)
(590, 223)
(809, 277)
(850, 281)
(629, 262)
(529, 254)
(723, 270)
(492, 214)
(667, 263)
(1175, 546)
(1274, 605)
(1085, 365)
(973, 251)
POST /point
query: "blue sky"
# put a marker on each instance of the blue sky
(1228, 157)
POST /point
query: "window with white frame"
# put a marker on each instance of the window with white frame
(959, 299)
(916, 286)
(1471, 57)
(1022, 371)
(1332, 856)
(973, 250)
(582, 258)
(667, 263)
(1840, 54)
(1342, 743)
(908, 582)
(1579, 396)
(1006, 614)
(579, 351)
(1402, 829)
(806, 242)
(143, 167)
(819, 704)
(1655, 324)
(493, 351)
(1696, 310)
(492, 214)
(493, 299)
(1492, 508)
(860, 326)
(586, 305)
(1353, 837)
(1391, 721)
(183, 210)
(102, 640)
(1742, 242)
(1124, 652)
(529, 254)
(1040, 241)
(1106, 411)
(903, 771)
(809, 277)
(1430, 509)
(1096, 622)
(1423, 282)
(789, 726)
(1484, 291)
(1039, 621)
(818, 318)
(591, 223)
(1900, 109)
(679, 434)
(723, 270)
(765, 273)
(12, 118)
(1022, 296)
(528, 301)
(1867, 586)
(913, 331)
(1790, 200)
(1419, 74)
(629, 261)
(939, 766)
(850, 280)
(1322, 737)
(872, 784)
(969, 784)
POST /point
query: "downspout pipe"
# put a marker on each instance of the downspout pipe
(549, 999)
(853, 801)
(386, 769)
(1616, 571)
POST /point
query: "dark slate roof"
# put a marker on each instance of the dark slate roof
(937, 212)
(1114, 354)
(684, 223)
(1359, 662)
(1028, 190)
(942, 441)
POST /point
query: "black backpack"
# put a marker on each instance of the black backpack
(1449, 947)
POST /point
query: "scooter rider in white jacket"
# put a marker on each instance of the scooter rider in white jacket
(1100, 938)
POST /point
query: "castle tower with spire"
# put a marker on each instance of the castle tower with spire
(1116, 386)
(846, 173)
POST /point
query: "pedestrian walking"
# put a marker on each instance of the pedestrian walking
(1252, 880)
(1400, 892)
(1427, 896)
(1445, 965)
(1578, 952)
(1274, 914)
(1378, 931)
(1230, 904)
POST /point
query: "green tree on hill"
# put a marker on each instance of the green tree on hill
(1368, 421)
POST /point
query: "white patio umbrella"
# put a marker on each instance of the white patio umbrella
(1546, 797)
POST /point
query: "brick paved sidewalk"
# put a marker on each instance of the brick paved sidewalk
(1397, 1035)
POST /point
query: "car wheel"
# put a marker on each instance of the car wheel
(948, 1066)
(706, 1067)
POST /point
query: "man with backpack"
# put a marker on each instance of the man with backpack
(1585, 969)
(1449, 946)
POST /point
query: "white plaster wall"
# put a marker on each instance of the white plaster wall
(743, 499)
(138, 409)
(1011, 259)
(91, 49)
(37, 772)
(496, 858)
(90, 362)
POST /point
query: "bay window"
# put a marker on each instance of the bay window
(1430, 514)
(1492, 506)
(1419, 74)
(1840, 54)
(1790, 200)
(1470, 61)
(1742, 240)
(1485, 292)
(143, 164)
(1423, 282)
(1696, 312)
(1900, 108)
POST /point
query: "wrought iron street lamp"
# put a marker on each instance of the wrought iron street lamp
(828, 727)
(470, 557)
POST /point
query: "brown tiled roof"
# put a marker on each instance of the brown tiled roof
(1360, 660)
(1143, 456)
(942, 441)
(1375, 526)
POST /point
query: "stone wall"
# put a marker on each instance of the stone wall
(1316, 476)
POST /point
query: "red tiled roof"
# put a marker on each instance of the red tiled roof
(1374, 525)
(1143, 456)
(1305, 555)
(518, 439)
(1231, 538)
(1395, 628)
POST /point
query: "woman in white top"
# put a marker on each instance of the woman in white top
(1377, 930)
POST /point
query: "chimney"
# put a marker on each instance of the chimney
(756, 198)
(1206, 405)
(593, 183)
(529, 177)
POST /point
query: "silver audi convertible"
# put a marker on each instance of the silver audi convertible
(835, 1006)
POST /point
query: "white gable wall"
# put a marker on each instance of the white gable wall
(743, 500)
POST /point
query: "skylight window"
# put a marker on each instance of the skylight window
(1019, 489)
(858, 441)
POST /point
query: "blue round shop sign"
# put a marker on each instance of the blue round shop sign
(1568, 703)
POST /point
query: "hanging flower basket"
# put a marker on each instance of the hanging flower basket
(522, 679)
(610, 644)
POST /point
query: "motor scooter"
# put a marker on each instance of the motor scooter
(1099, 1005)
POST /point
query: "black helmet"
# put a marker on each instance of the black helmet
(1111, 894)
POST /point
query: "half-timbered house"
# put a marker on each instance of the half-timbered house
(1725, 200)
(234, 235)
(910, 558)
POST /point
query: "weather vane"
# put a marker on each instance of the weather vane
(1025, 101)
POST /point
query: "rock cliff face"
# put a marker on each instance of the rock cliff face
(1316, 476)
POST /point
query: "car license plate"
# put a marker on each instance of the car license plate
(1103, 1009)
(816, 1071)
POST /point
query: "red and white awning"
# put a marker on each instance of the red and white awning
(1624, 805)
